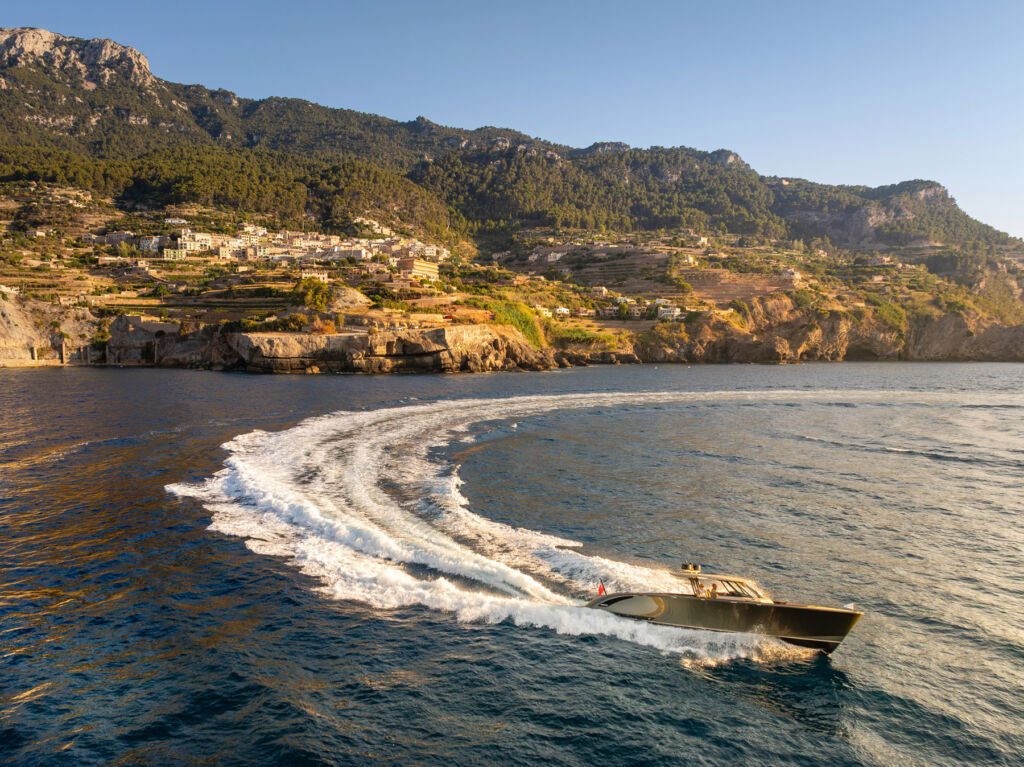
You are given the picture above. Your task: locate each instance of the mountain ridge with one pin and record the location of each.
(98, 99)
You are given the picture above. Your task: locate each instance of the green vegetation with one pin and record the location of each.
(892, 315)
(802, 298)
(312, 293)
(284, 186)
(741, 308)
(290, 159)
(513, 313)
(285, 163)
(667, 333)
(562, 336)
(102, 336)
(293, 323)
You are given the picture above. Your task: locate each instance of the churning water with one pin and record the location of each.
(334, 569)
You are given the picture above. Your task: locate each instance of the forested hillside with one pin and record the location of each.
(89, 113)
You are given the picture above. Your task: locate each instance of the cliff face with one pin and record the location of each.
(778, 331)
(39, 333)
(775, 331)
(92, 62)
(461, 348)
(469, 348)
(953, 338)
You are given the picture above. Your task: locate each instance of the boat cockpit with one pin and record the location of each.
(707, 586)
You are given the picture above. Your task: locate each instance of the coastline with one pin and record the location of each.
(475, 348)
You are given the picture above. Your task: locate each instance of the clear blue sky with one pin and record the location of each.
(839, 92)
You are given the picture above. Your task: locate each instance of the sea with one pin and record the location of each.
(216, 568)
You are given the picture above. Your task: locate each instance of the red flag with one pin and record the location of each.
(600, 589)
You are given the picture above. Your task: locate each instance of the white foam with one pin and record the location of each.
(361, 501)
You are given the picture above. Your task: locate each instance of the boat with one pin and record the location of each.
(733, 604)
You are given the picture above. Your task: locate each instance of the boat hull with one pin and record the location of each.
(821, 628)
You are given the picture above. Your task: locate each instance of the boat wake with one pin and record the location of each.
(365, 502)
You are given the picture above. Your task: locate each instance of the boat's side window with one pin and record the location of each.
(736, 589)
(614, 600)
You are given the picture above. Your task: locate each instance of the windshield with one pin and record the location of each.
(726, 587)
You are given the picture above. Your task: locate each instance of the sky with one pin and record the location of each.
(838, 92)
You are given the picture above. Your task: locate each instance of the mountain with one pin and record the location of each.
(99, 98)
(91, 113)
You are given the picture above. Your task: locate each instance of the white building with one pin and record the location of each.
(360, 253)
(151, 244)
(669, 312)
(194, 242)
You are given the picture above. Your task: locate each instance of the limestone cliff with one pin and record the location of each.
(460, 348)
(774, 330)
(40, 333)
(778, 331)
(92, 62)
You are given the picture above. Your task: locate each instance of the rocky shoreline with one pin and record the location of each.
(774, 331)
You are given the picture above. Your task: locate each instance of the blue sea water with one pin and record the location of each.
(230, 569)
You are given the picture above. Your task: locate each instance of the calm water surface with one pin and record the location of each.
(213, 568)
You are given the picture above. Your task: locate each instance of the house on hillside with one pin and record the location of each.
(417, 268)
(194, 242)
(151, 244)
(360, 254)
(669, 312)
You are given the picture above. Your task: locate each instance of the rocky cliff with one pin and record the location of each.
(460, 348)
(773, 331)
(92, 63)
(776, 330)
(40, 333)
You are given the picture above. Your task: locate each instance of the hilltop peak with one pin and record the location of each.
(94, 62)
(603, 147)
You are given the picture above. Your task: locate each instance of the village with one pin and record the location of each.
(408, 258)
(190, 267)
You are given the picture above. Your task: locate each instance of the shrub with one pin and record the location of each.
(892, 316)
(889, 314)
(740, 307)
(563, 336)
(323, 327)
(873, 299)
(670, 333)
(101, 337)
(312, 293)
(513, 313)
(802, 298)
